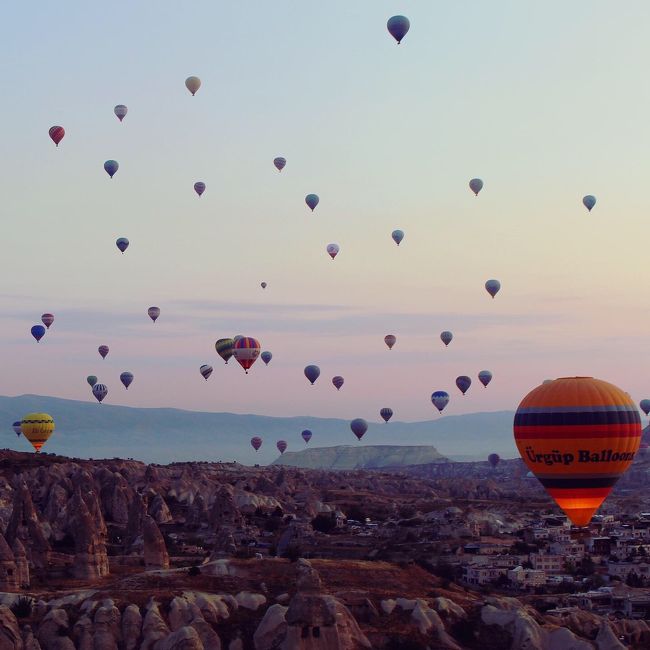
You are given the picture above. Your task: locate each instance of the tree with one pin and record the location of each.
(293, 553)
(323, 523)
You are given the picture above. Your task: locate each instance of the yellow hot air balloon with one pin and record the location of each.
(37, 428)
(578, 435)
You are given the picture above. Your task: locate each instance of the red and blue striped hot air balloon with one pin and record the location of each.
(246, 350)
(578, 435)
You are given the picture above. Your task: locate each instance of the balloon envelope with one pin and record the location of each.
(122, 243)
(281, 445)
(494, 459)
(246, 350)
(440, 399)
(338, 381)
(193, 84)
(446, 337)
(111, 167)
(266, 356)
(390, 340)
(92, 380)
(312, 373)
(333, 250)
(578, 435)
(38, 332)
(37, 428)
(199, 187)
(127, 379)
(103, 350)
(589, 201)
(153, 312)
(386, 414)
(256, 442)
(47, 320)
(398, 27)
(224, 348)
(100, 391)
(485, 377)
(205, 371)
(476, 185)
(645, 405)
(312, 201)
(279, 163)
(492, 287)
(263, 285)
(359, 426)
(56, 133)
(397, 236)
(120, 110)
(463, 383)
(306, 435)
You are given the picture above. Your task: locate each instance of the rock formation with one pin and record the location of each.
(155, 550)
(91, 558)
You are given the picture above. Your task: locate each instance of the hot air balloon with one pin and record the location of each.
(338, 381)
(645, 405)
(386, 414)
(47, 320)
(205, 371)
(485, 377)
(103, 350)
(397, 236)
(153, 312)
(266, 356)
(398, 27)
(306, 435)
(263, 285)
(494, 459)
(38, 332)
(359, 426)
(578, 435)
(246, 350)
(120, 110)
(390, 340)
(312, 373)
(111, 167)
(199, 188)
(463, 383)
(312, 201)
(37, 428)
(589, 201)
(492, 287)
(476, 185)
(92, 380)
(126, 378)
(281, 445)
(279, 163)
(224, 348)
(237, 337)
(122, 243)
(256, 442)
(193, 84)
(440, 399)
(333, 250)
(16, 427)
(100, 391)
(57, 133)
(446, 337)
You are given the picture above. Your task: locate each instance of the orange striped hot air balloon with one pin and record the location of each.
(578, 435)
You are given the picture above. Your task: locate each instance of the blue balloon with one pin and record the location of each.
(38, 332)
(397, 236)
(463, 382)
(446, 337)
(440, 399)
(359, 426)
(312, 200)
(398, 27)
(266, 357)
(17, 427)
(386, 414)
(312, 373)
(589, 201)
(111, 167)
(127, 379)
(306, 435)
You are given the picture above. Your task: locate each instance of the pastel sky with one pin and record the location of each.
(546, 102)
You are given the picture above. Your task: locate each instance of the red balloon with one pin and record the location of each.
(57, 133)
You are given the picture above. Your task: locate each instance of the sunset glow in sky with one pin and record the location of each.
(546, 102)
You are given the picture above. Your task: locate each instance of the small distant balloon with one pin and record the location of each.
(440, 399)
(492, 287)
(154, 313)
(359, 427)
(92, 380)
(224, 348)
(279, 163)
(199, 187)
(103, 350)
(645, 405)
(338, 381)
(589, 201)
(263, 285)
(463, 383)
(386, 414)
(312, 373)
(333, 250)
(390, 340)
(47, 320)
(476, 185)
(120, 110)
(494, 459)
(397, 236)
(57, 133)
(122, 243)
(398, 27)
(205, 371)
(281, 445)
(16, 427)
(193, 84)
(306, 435)
(100, 391)
(38, 332)
(312, 201)
(266, 356)
(256, 442)
(446, 337)
(485, 377)
(127, 379)
(111, 167)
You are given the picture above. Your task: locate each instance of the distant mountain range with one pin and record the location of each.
(163, 435)
(367, 457)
